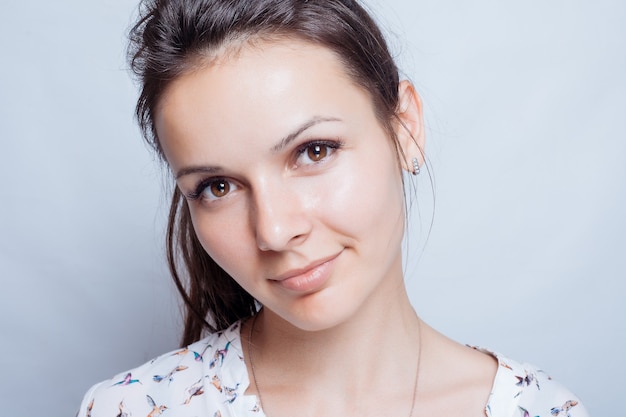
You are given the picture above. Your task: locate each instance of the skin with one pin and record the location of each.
(295, 190)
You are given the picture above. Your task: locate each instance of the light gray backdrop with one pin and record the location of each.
(526, 128)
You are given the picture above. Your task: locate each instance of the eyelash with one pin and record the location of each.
(203, 185)
(332, 145)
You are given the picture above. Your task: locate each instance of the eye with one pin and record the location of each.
(315, 152)
(213, 189)
(218, 188)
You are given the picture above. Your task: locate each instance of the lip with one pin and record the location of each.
(307, 279)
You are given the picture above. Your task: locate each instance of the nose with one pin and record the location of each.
(279, 218)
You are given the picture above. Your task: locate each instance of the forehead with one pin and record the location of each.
(259, 60)
(264, 85)
(251, 66)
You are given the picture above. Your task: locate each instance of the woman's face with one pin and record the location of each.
(293, 186)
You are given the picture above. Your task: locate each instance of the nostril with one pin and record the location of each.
(281, 231)
(279, 220)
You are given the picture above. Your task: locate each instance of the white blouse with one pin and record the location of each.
(209, 379)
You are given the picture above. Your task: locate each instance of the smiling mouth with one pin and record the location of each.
(309, 278)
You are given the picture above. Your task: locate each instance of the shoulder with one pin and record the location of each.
(197, 379)
(523, 390)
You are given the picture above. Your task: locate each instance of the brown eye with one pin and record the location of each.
(317, 152)
(213, 189)
(219, 188)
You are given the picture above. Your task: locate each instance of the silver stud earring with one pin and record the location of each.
(416, 166)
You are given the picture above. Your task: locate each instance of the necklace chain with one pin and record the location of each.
(417, 370)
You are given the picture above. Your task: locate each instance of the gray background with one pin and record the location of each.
(527, 255)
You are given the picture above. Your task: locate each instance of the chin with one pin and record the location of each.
(316, 314)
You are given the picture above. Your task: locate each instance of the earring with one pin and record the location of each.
(416, 166)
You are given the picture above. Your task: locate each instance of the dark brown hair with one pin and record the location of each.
(173, 37)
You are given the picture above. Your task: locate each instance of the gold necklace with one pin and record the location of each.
(417, 370)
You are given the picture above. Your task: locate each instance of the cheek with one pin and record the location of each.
(365, 197)
(222, 236)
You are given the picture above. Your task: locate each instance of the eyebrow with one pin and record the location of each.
(275, 149)
(198, 169)
(292, 136)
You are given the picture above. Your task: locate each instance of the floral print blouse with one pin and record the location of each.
(209, 379)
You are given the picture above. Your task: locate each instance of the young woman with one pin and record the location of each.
(287, 130)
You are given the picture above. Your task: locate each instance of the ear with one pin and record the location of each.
(410, 125)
